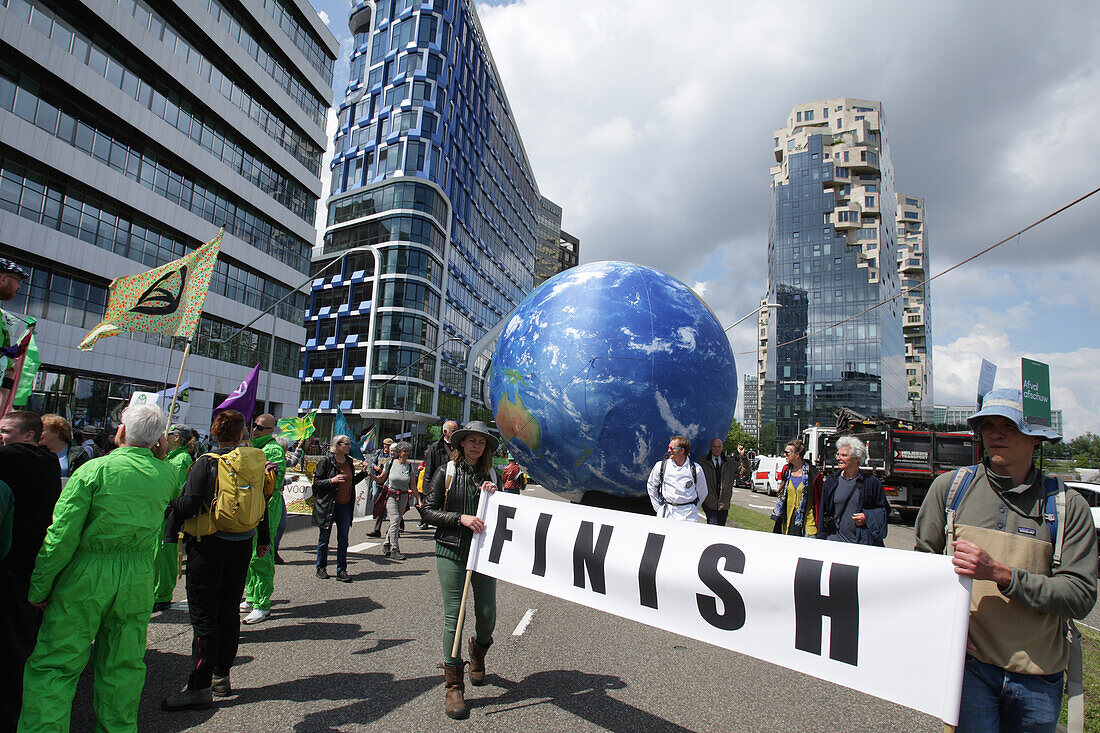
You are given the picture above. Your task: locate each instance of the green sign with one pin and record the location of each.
(435, 431)
(1035, 388)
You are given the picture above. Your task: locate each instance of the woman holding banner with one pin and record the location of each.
(451, 505)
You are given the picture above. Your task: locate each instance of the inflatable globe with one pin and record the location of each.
(598, 367)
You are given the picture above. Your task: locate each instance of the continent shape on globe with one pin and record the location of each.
(599, 366)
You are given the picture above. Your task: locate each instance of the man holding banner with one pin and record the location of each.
(1030, 547)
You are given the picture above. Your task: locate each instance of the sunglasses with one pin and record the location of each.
(257, 426)
(675, 447)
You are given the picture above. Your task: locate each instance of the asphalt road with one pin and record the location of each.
(362, 656)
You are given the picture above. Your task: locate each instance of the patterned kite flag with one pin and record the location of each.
(367, 444)
(166, 300)
(297, 428)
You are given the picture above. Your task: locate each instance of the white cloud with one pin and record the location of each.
(1074, 387)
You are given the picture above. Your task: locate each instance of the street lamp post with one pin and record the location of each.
(753, 312)
(404, 371)
(274, 319)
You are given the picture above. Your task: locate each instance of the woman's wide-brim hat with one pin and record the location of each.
(474, 427)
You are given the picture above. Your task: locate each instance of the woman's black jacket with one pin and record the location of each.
(444, 508)
(324, 491)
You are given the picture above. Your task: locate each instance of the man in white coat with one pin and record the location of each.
(677, 485)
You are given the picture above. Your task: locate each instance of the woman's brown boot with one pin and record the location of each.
(455, 702)
(477, 662)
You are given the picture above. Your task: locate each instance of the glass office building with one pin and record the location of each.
(130, 132)
(431, 223)
(832, 254)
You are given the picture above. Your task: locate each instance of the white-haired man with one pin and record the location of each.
(94, 579)
(853, 504)
(1030, 547)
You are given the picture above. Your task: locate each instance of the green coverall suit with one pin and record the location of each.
(95, 570)
(261, 570)
(166, 563)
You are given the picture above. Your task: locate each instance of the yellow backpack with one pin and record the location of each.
(239, 497)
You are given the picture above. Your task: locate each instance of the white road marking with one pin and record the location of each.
(362, 519)
(1082, 623)
(522, 626)
(363, 546)
(761, 506)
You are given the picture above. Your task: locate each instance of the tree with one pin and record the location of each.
(1085, 450)
(738, 436)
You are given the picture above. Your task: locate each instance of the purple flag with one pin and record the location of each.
(243, 398)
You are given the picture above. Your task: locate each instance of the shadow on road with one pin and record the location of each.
(307, 630)
(371, 694)
(578, 693)
(332, 608)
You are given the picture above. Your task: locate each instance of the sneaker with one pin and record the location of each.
(257, 615)
(187, 699)
(386, 548)
(343, 576)
(423, 525)
(322, 573)
(374, 533)
(245, 606)
(161, 606)
(220, 687)
(396, 555)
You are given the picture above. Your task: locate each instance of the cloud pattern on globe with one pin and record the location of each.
(599, 366)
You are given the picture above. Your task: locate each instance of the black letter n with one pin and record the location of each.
(592, 558)
(841, 606)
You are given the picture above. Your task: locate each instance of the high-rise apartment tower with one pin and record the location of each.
(832, 254)
(912, 229)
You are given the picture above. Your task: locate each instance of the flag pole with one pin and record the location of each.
(168, 369)
(175, 392)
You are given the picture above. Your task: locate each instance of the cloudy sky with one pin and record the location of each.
(651, 123)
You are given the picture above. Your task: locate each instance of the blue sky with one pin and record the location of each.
(652, 124)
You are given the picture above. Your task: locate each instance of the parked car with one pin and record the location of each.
(765, 477)
(1091, 492)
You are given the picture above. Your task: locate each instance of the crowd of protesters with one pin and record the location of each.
(91, 537)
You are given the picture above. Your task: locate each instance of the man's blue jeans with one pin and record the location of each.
(995, 700)
(341, 517)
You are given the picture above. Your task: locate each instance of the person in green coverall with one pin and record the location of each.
(261, 570)
(166, 562)
(94, 580)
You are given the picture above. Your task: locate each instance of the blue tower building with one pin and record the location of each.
(832, 256)
(431, 227)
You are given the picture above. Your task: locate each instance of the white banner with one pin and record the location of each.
(889, 623)
(181, 410)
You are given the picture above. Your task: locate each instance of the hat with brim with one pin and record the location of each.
(1009, 404)
(180, 431)
(474, 427)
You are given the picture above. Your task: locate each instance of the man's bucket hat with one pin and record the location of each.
(1008, 403)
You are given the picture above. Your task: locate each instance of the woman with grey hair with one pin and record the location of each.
(396, 481)
(853, 504)
(334, 482)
